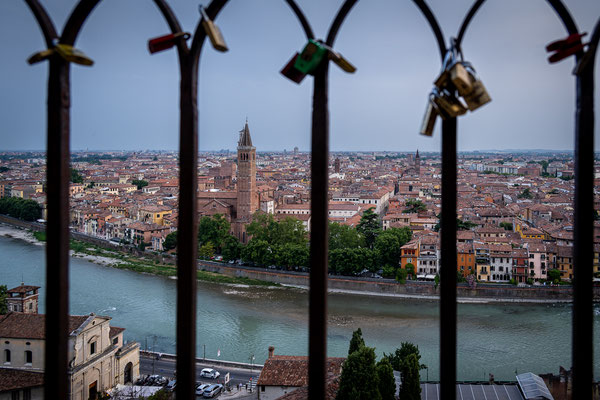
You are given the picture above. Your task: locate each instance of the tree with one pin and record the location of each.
(388, 248)
(359, 378)
(401, 275)
(213, 229)
(231, 249)
(291, 254)
(554, 275)
(369, 227)
(464, 225)
(344, 237)
(410, 270)
(411, 386)
(399, 357)
(140, 183)
(170, 241)
(76, 176)
(506, 225)
(26, 209)
(262, 227)
(387, 382)
(414, 206)
(525, 194)
(206, 251)
(3, 306)
(258, 251)
(356, 342)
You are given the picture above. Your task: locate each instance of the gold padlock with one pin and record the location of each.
(448, 105)
(213, 32)
(71, 54)
(442, 79)
(40, 56)
(341, 61)
(461, 79)
(429, 119)
(478, 96)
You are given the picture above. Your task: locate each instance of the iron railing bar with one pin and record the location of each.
(169, 16)
(76, 20)
(437, 30)
(339, 19)
(448, 262)
(565, 16)
(467, 21)
(44, 21)
(583, 250)
(303, 21)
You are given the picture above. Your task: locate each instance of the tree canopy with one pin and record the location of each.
(369, 227)
(76, 176)
(356, 342)
(387, 382)
(411, 387)
(3, 307)
(140, 183)
(344, 237)
(16, 207)
(214, 229)
(414, 206)
(170, 241)
(359, 378)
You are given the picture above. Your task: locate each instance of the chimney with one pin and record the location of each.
(271, 351)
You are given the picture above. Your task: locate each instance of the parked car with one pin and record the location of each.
(201, 388)
(171, 385)
(213, 390)
(209, 373)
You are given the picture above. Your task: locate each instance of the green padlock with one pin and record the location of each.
(310, 58)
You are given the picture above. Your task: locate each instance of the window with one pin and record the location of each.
(31, 306)
(7, 356)
(27, 394)
(116, 340)
(15, 395)
(28, 356)
(93, 348)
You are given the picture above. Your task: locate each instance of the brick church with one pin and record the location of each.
(239, 205)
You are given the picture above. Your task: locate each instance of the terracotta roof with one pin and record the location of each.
(11, 379)
(114, 331)
(23, 289)
(293, 370)
(32, 326)
(333, 385)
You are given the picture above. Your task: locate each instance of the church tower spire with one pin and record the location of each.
(247, 195)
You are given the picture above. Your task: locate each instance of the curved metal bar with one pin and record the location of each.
(467, 20)
(595, 37)
(303, 21)
(437, 31)
(213, 9)
(169, 15)
(44, 21)
(339, 19)
(564, 15)
(76, 20)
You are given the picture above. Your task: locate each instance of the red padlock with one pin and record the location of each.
(565, 47)
(166, 42)
(291, 72)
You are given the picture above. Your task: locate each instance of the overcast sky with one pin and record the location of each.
(129, 99)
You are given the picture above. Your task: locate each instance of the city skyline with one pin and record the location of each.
(129, 99)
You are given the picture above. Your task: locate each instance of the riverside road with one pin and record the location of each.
(149, 365)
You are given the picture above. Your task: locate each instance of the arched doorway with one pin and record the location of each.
(127, 373)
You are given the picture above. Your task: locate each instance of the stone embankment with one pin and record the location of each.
(344, 284)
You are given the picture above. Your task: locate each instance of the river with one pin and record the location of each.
(240, 322)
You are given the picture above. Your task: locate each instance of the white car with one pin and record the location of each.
(209, 373)
(201, 388)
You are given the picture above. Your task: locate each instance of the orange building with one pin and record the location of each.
(409, 253)
(465, 259)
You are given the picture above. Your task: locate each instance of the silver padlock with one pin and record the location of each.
(431, 114)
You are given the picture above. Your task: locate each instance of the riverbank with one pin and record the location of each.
(115, 259)
(104, 253)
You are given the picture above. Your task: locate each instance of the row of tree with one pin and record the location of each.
(363, 378)
(16, 207)
(285, 243)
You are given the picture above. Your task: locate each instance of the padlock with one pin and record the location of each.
(213, 32)
(166, 42)
(71, 54)
(460, 78)
(310, 58)
(478, 96)
(339, 59)
(291, 72)
(448, 105)
(40, 56)
(431, 114)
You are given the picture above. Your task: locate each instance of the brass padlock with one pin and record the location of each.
(460, 78)
(478, 96)
(429, 119)
(213, 32)
(71, 54)
(448, 104)
(40, 56)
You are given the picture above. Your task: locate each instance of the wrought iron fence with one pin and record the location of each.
(60, 54)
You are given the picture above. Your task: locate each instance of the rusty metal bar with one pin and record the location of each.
(448, 263)
(583, 249)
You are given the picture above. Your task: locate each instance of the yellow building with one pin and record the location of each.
(154, 214)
